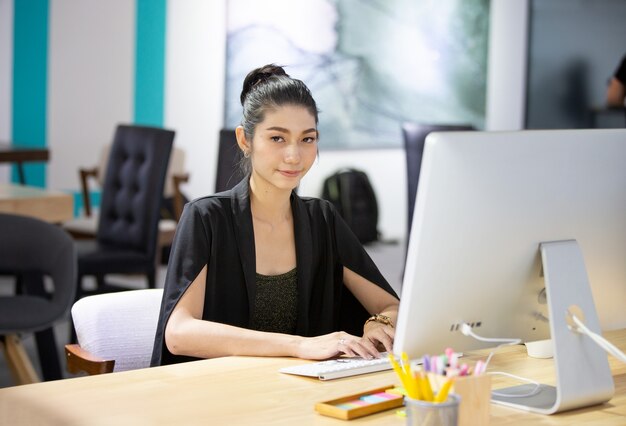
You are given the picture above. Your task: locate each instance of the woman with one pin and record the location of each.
(258, 270)
(616, 91)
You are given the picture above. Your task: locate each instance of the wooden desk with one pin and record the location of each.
(51, 206)
(247, 390)
(19, 154)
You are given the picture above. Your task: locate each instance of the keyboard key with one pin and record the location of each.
(340, 367)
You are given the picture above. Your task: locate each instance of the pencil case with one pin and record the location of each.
(361, 404)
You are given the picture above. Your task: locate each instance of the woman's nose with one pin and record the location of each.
(292, 153)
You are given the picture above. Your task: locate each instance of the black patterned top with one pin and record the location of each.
(276, 303)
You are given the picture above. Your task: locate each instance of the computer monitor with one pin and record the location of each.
(486, 203)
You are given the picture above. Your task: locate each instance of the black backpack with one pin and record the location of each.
(351, 192)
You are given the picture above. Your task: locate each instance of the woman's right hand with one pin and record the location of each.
(333, 344)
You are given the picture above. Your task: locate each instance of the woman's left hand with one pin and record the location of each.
(380, 335)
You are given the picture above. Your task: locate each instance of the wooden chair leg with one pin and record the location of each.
(19, 364)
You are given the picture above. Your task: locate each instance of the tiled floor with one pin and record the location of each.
(388, 257)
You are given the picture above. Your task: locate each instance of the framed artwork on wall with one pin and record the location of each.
(371, 65)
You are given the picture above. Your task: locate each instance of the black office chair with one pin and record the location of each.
(128, 223)
(414, 136)
(86, 225)
(229, 156)
(32, 250)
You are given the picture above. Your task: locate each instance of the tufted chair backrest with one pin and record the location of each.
(133, 187)
(176, 167)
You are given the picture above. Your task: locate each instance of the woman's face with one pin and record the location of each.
(284, 147)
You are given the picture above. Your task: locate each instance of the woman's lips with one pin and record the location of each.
(290, 173)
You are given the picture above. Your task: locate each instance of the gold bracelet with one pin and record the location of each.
(383, 319)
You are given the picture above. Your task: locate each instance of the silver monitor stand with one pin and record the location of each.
(583, 377)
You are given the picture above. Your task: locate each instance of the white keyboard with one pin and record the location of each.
(341, 367)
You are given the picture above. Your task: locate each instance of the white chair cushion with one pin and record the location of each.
(167, 225)
(83, 225)
(119, 326)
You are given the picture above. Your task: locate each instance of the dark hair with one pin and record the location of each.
(270, 87)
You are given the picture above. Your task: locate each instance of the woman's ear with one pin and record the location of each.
(244, 146)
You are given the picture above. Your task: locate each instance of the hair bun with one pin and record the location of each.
(259, 76)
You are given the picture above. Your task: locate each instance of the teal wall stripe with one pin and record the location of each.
(150, 62)
(30, 74)
(94, 197)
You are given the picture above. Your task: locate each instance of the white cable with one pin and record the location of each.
(466, 329)
(600, 341)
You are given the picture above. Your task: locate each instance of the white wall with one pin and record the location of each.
(194, 85)
(506, 70)
(386, 169)
(91, 68)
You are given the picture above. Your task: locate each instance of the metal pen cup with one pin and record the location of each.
(423, 413)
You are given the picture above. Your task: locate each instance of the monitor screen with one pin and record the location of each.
(485, 202)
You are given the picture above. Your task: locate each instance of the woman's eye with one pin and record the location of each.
(308, 140)
(276, 138)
